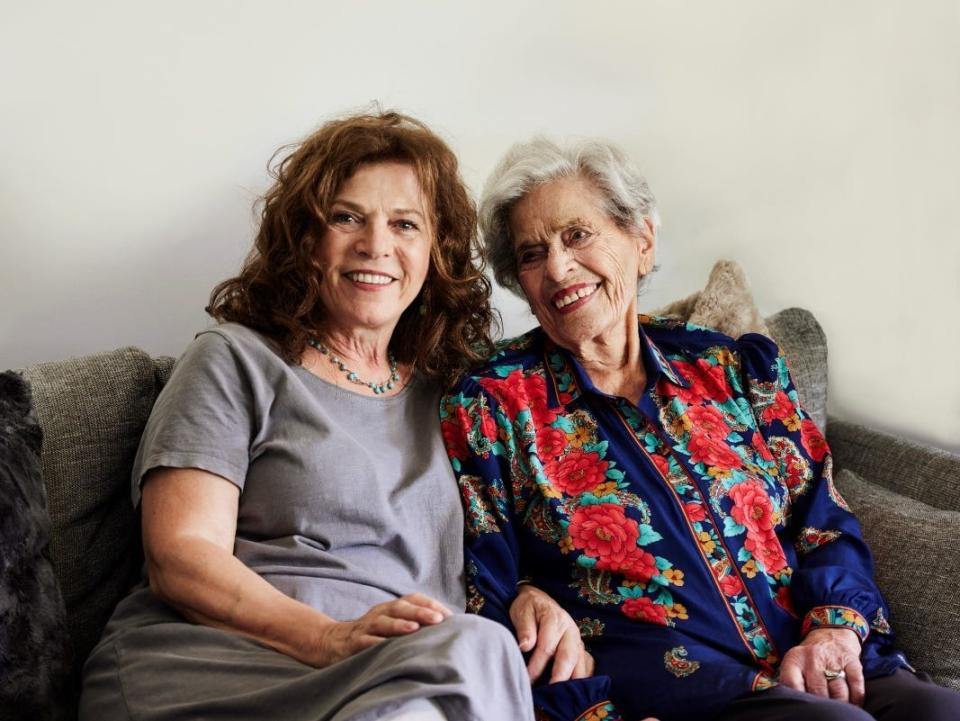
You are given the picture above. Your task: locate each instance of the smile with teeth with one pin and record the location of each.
(372, 278)
(575, 295)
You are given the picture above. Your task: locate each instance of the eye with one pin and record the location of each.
(575, 237)
(407, 225)
(531, 255)
(341, 217)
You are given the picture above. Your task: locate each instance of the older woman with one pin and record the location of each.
(661, 481)
(301, 527)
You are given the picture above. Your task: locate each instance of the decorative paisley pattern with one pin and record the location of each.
(676, 662)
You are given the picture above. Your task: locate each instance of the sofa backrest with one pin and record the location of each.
(92, 411)
(804, 343)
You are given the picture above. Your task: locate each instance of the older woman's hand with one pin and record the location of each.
(805, 666)
(543, 626)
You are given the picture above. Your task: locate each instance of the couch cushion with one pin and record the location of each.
(35, 672)
(918, 570)
(934, 474)
(92, 411)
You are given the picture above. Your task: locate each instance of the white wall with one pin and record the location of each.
(817, 143)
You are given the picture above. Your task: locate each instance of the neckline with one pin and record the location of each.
(412, 381)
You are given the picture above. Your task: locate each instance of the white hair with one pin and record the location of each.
(627, 197)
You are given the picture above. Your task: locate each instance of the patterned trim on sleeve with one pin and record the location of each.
(836, 617)
(762, 681)
(603, 711)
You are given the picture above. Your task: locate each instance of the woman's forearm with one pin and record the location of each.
(209, 585)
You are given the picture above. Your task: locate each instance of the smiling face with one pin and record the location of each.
(375, 251)
(577, 267)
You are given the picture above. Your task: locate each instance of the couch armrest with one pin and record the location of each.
(920, 472)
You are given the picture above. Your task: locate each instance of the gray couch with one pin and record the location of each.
(92, 411)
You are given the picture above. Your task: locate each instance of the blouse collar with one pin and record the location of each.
(569, 380)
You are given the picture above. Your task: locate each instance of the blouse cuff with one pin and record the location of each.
(836, 617)
(603, 711)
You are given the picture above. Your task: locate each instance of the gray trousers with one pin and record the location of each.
(899, 697)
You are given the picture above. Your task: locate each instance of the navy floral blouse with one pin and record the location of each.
(695, 535)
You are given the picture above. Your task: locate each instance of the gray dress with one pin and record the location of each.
(346, 501)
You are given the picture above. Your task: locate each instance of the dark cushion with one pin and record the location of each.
(35, 669)
(804, 343)
(918, 570)
(92, 411)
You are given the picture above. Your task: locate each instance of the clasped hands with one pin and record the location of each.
(541, 626)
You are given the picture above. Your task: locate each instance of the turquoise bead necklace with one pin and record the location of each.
(378, 388)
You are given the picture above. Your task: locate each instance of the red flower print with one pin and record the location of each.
(707, 382)
(643, 609)
(709, 421)
(760, 447)
(661, 462)
(731, 585)
(767, 550)
(812, 440)
(455, 432)
(488, 426)
(710, 451)
(637, 566)
(605, 533)
(695, 511)
(782, 407)
(753, 509)
(752, 506)
(551, 441)
(518, 391)
(576, 472)
(784, 600)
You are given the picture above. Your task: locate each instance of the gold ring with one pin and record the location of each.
(834, 675)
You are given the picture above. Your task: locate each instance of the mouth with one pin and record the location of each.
(366, 277)
(571, 298)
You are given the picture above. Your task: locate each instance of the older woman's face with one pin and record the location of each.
(375, 251)
(577, 267)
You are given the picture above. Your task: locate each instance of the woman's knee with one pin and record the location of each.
(918, 700)
(785, 704)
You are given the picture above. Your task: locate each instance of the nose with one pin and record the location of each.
(376, 240)
(559, 262)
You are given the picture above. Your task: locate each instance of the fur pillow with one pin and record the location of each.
(725, 304)
(34, 648)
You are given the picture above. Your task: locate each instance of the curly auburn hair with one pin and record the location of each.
(446, 329)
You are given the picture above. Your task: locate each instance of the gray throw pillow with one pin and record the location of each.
(918, 570)
(35, 669)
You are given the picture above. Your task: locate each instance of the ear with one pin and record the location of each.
(646, 236)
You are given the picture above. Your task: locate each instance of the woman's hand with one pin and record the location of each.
(824, 650)
(341, 639)
(542, 625)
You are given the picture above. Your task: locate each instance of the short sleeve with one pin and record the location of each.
(204, 416)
